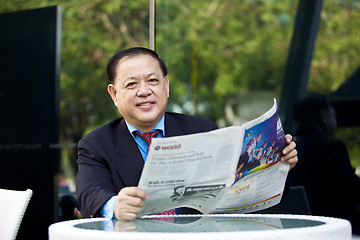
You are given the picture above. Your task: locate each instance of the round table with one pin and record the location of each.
(207, 227)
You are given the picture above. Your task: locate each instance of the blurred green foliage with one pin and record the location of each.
(337, 50)
(214, 49)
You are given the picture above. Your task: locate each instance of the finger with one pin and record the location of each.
(126, 216)
(134, 192)
(127, 209)
(292, 162)
(130, 200)
(291, 156)
(123, 208)
(290, 147)
(288, 138)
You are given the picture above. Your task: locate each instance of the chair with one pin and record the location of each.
(294, 202)
(13, 205)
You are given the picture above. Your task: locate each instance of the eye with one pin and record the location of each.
(153, 80)
(130, 85)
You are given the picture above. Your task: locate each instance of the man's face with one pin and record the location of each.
(140, 91)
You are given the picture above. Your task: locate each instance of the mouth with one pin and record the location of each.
(145, 104)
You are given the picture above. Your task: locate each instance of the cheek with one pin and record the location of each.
(123, 97)
(167, 90)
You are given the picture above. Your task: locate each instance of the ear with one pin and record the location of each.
(112, 92)
(324, 116)
(167, 87)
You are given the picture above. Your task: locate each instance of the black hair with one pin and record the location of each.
(114, 60)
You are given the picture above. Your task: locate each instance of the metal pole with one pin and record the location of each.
(152, 24)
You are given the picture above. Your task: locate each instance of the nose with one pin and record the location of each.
(144, 89)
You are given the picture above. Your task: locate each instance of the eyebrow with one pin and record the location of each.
(148, 75)
(153, 73)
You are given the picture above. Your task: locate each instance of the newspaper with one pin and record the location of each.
(235, 169)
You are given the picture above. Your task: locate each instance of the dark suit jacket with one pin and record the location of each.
(109, 159)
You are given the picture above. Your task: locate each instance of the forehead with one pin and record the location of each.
(137, 61)
(136, 66)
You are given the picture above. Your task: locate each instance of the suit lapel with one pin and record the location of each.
(128, 160)
(172, 128)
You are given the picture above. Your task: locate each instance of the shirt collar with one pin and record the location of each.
(159, 126)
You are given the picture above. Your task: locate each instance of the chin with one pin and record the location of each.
(149, 119)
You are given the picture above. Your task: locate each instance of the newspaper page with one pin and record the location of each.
(260, 176)
(190, 171)
(229, 170)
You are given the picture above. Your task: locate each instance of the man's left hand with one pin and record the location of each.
(289, 152)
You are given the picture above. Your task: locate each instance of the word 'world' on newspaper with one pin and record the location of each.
(235, 169)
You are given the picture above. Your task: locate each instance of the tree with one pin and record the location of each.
(217, 49)
(337, 48)
(92, 31)
(214, 49)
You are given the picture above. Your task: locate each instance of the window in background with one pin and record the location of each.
(226, 59)
(336, 58)
(92, 31)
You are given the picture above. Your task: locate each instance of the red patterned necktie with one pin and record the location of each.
(167, 212)
(148, 136)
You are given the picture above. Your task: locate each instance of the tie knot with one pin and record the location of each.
(148, 136)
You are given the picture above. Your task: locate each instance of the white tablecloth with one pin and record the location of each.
(333, 229)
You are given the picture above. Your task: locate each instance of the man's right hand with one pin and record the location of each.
(129, 202)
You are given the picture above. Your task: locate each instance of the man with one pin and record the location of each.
(111, 158)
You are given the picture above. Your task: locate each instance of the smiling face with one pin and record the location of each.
(140, 91)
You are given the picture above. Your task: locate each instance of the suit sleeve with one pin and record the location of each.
(93, 181)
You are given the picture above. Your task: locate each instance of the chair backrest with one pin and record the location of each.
(13, 205)
(294, 202)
